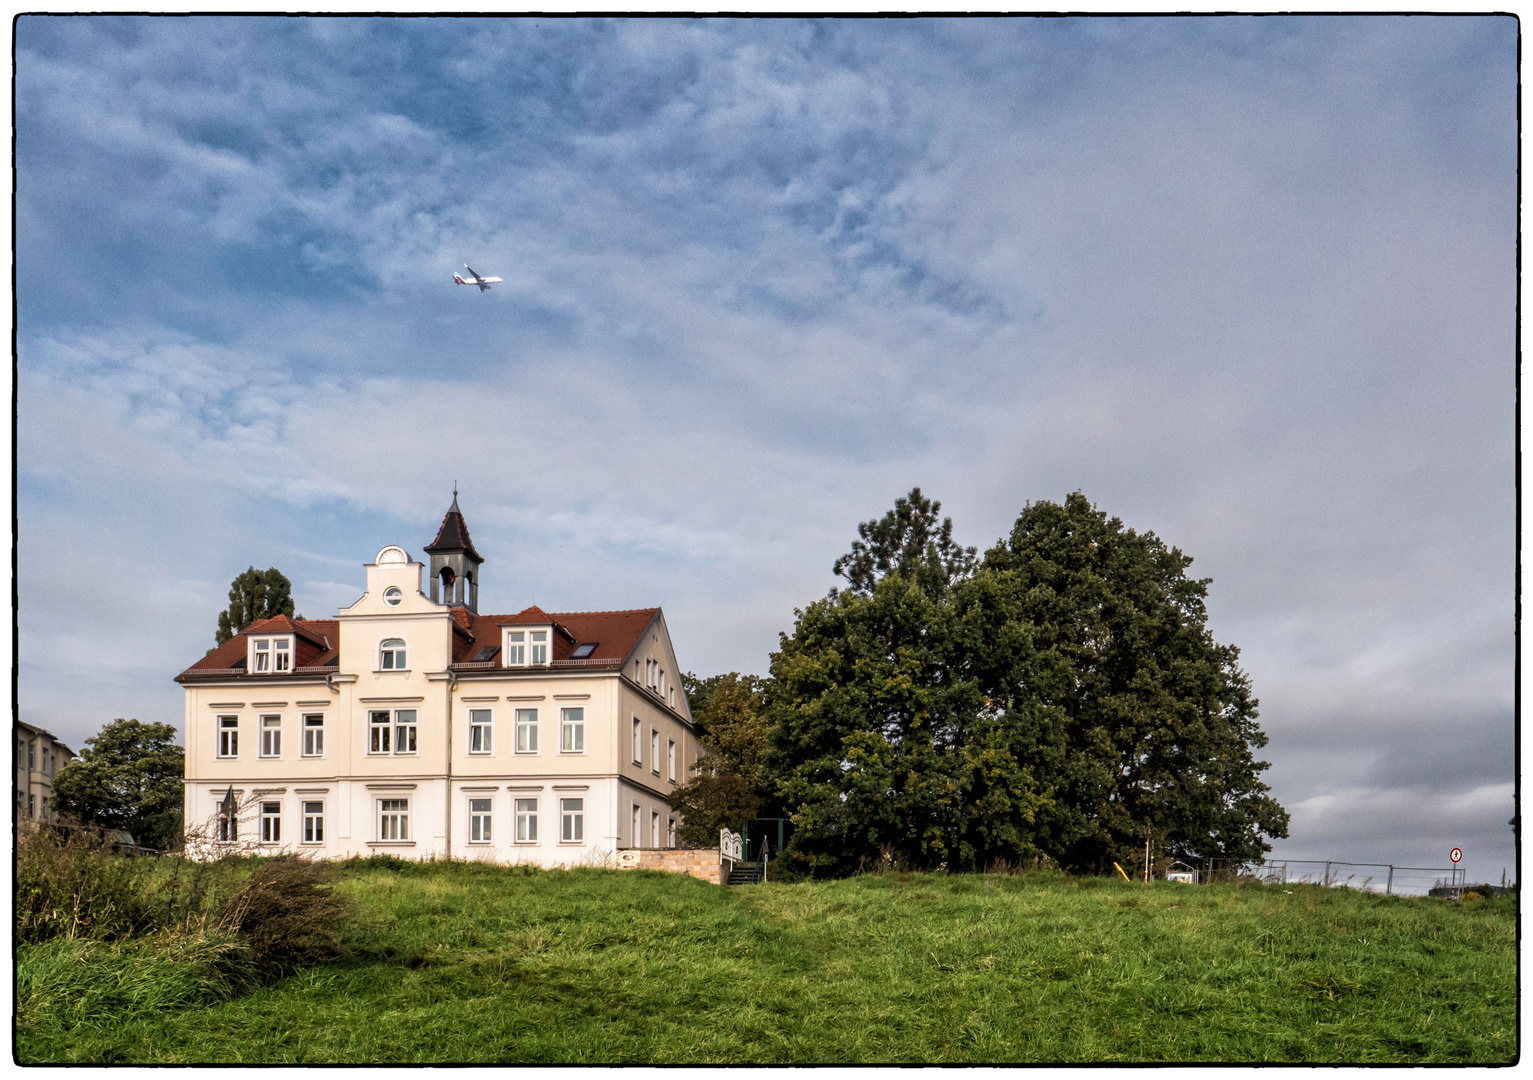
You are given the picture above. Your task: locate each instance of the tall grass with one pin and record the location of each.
(103, 938)
(452, 962)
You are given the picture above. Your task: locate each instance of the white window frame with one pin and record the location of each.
(572, 821)
(481, 732)
(228, 825)
(654, 828)
(671, 833)
(313, 813)
(538, 644)
(526, 814)
(271, 822)
(270, 655)
(313, 736)
(654, 750)
(572, 722)
(513, 651)
(527, 736)
(228, 738)
(392, 818)
(638, 741)
(393, 730)
(481, 820)
(380, 721)
(391, 657)
(638, 838)
(271, 736)
(670, 758)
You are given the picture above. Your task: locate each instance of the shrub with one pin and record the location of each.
(289, 913)
(75, 886)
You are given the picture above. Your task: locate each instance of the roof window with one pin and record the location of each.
(583, 650)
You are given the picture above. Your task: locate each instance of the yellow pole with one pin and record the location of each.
(1120, 870)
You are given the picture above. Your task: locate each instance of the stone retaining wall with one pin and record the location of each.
(703, 863)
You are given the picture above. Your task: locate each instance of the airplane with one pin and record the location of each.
(474, 279)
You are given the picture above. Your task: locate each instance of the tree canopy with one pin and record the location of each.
(129, 776)
(728, 785)
(254, 595)
(1060, 697)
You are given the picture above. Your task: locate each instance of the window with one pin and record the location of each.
(386, 738)
(31, 756)
(671, 833)
(516, 649)
(282, 655)
(638, 735)
(654, 751)
(572, 819)
(670, 758)
(393, 819)
(262, 657)
(572, 731)
(31, 805)
(526, 731)
(378, 731)
(271, 736)
(479, 821)
(313, 823)
(404, 731)
(392, 655)
(479, 731)
(638, 841)
(314, 735)
(228, 736)
(654, 828)
(228, 822)
(583, 650)
(271, 823)
(392, 596)
(527, 820)
(539, 647)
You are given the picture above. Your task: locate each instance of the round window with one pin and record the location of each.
(392, 596)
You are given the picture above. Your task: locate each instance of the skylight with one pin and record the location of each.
(583, 650)
(486, 653)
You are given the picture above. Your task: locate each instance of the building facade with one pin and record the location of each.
(411, 724)
(39, 757)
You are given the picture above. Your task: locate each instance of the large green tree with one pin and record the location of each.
(254, 595)
(1058, 698)
(727, 786)
(129, 776)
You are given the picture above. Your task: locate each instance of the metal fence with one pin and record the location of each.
(1389, 878)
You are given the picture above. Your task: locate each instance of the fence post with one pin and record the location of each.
(1327, 879)
(1390, 884)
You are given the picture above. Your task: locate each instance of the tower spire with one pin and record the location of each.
(454, 562)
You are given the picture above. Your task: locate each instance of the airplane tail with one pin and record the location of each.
(459, 279)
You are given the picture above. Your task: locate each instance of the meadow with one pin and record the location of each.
(454, 962)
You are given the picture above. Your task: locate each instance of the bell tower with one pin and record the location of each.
(454, 562)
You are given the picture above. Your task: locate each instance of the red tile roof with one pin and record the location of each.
(615, 633)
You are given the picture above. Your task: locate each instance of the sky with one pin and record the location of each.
(1247, 283)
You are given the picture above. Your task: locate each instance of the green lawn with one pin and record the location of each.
(464, 963)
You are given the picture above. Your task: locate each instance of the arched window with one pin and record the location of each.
(392, 655)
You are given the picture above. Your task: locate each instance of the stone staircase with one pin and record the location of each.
(745, 873)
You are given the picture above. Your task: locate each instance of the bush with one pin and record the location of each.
(289, 913)
(74, 886)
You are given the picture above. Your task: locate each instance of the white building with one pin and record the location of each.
(411, 724)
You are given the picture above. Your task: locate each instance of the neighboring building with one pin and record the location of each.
(413, 725)
(39, 757)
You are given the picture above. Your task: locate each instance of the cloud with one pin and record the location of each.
(1248, 283)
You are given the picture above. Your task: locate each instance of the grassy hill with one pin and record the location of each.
(467, 963)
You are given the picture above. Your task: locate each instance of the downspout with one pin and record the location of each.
(452, 684)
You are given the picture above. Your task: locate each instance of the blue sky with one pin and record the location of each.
(1246, 282)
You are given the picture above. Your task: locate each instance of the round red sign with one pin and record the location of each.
(1455, 854)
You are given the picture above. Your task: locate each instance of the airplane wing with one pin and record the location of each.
(472, 272)
(483, 286)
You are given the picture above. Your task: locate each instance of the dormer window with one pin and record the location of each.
(526, 646)
(539, 646)
(516, 648)
(269, 656)
(392, 655)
